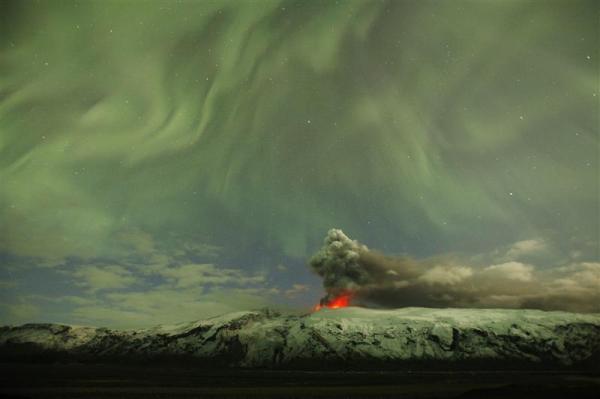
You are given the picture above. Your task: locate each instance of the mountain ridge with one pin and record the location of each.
(350, 337)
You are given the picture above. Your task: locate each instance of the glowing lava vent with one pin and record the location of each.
(340, 301)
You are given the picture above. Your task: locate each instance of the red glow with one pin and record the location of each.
(340, 301)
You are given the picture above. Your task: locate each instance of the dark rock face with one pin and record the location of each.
(352, 338)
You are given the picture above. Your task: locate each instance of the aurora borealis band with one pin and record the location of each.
(163, 161)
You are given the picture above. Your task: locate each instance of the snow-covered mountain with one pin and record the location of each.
(350, 337)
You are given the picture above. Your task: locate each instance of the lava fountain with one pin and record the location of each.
(340, 301)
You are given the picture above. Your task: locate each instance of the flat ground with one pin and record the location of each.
(128, 381)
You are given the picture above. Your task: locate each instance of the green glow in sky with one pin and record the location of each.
(138, 138)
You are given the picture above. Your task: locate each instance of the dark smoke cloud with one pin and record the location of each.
(373, 279)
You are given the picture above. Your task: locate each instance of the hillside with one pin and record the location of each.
(353, 338)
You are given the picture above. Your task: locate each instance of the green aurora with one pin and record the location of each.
(163, 161)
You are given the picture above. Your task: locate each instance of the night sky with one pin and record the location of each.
(169, 161)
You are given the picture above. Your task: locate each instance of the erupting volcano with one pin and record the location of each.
(340, 301)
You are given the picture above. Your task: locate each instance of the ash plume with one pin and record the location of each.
(376, 280)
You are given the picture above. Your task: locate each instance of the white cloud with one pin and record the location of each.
(580, 277)
(524, 248)
(511, 270)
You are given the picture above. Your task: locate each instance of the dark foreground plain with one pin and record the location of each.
(153, 381)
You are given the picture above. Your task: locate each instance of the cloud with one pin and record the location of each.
(137, 241)
(581, 277)
(161, 285)
(525, 247)
(166, 294)
(296, 290)
(104, 277)
(165, 305)
(195, 275)
(374, 279)
(150, 283)
(511, 271)
(200, 249)
(75, 300)
(281, 267)
(22, 312)
(6, 284)
(199, 275)
(446, 275)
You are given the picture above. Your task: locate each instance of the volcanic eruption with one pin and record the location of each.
(338, 263)
(340, 301)
(351, 272)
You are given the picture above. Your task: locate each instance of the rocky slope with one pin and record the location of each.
(350, 338)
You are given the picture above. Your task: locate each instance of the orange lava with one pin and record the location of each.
(340, 301)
